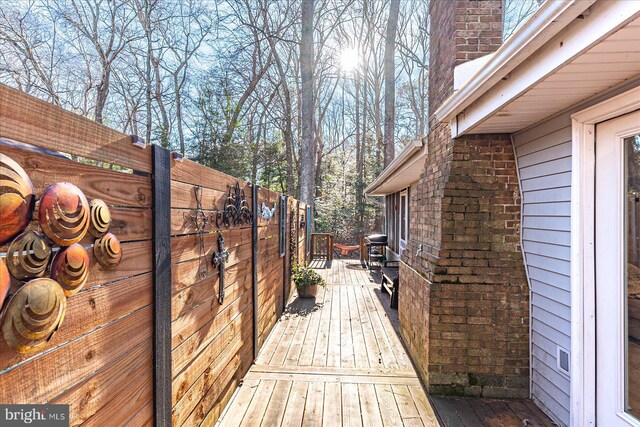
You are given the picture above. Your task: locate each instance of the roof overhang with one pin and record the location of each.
(569, 51)
(403, 171)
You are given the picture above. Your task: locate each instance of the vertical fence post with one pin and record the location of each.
(162, 285)
(254, 263)
(284, 214)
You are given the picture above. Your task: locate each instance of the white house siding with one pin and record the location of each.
(544, 162)
(543, 152)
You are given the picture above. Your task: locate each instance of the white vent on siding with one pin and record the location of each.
(562, 359)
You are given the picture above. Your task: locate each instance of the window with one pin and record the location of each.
(403, 217)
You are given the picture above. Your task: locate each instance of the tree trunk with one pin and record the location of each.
(390, 82)
(177, 85)
(359, 150)
(102, 92)
(308, 150)
(164, 135)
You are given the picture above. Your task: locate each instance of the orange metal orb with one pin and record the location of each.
(5, 281)
(28, 255)
(107, 250)
(64, 213)
(16, 199)
(33, 314)
(100, 218)
(70, 268)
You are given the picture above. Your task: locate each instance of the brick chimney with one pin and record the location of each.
(460, 30)
(463, 294)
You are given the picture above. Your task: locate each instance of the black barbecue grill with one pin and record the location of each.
(376, 244)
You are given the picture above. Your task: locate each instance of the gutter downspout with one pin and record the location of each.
(524, 259)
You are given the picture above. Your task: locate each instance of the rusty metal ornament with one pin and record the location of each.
(64, 213)
(28, 256)
(5, 281)
(16, 199)
(33, 315)
(100, 218)
(70, 268)
(236, 209)
(107, 250)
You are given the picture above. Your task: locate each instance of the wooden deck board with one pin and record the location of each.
(471, 412)
(338, 361)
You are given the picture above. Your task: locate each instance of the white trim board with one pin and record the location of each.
(552, 17)
(577, 37)
(583, 326)
(403, 171)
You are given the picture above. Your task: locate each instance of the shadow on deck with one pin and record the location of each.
(338, 360)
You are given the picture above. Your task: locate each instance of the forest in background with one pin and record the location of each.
(220, 82)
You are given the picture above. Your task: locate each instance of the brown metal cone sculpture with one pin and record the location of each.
(5, 281)
(16, 199)
(107, 250)
(100, 218)
(33, 315)
(64, 213)
(28, 256)
(70, 268)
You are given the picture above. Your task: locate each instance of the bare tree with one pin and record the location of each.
(28, 48)
(308, 149)
(390, 82)
(105, 25)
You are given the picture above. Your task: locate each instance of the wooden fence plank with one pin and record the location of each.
(46, 375)
(117, 390)
(90, 309)
(30, 120)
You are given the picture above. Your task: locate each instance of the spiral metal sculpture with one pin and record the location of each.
(28, 256)
(5, 281)
(33, 315)
(100, 218)
(70, 268)
(16, 199)
(107, 250)
(64, 213)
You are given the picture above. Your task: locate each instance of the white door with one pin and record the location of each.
(617, 272)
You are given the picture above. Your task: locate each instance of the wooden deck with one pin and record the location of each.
(338, 360)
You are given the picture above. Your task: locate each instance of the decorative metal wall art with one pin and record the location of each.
(35, 311)
(107, 251)
(266, 213)
(5, 281)
(17, 200)
(33, 315)
(100, 218)
(199, 221)
(293, 240)
(70, 268)
(64, 213)
(28, 256)
(220, 258)
(236, 209)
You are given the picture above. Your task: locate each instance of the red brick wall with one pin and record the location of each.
(413, 296)
(464, 301)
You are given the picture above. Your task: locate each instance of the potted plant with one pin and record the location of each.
(307, 281)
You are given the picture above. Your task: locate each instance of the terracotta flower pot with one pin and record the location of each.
(307, 291)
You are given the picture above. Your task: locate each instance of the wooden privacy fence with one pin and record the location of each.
(156, 339)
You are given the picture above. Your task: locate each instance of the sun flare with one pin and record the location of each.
(349, 59)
